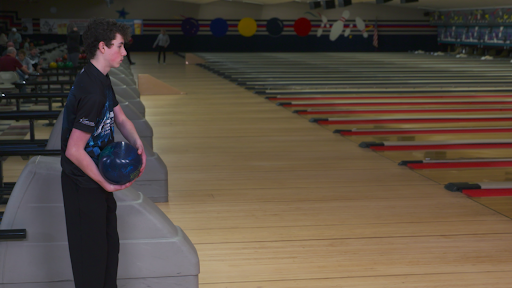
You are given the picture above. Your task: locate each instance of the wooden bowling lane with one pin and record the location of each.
(502, 205)
(363, 90)
(398, 104)
(332, 128)
(433, 137)
(395, 113)
(319, 99)
(444, 176)
(255, 85)
(331, 77)
(397, 156)
(278, 203)
(410, 119)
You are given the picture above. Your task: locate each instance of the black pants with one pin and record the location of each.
(91, 224)
(160, 50)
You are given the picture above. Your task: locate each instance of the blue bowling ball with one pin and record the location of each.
(119, 163)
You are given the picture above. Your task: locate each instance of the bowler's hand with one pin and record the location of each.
(113, 188)
(140, 150)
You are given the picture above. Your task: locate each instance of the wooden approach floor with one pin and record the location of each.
(271, 200)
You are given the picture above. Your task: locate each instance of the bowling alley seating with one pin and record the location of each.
(7, 78)
(154, 252)
(154, 181)
(22, 147)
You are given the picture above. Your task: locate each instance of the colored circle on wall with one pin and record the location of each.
(219, 27)
(247, 27)
(190, 27)
(275, 27)
(302, 26)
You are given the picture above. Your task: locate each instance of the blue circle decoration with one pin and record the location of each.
(275, 27)
(190, 27)
(219, 27)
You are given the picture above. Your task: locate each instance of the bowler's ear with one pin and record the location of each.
(101, 47)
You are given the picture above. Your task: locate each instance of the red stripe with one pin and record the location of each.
(392, 97)
(395, 104)
(410, 121)
(402, 111)
(441, 147)
(357, 133)
(460, 165)
(487, 192)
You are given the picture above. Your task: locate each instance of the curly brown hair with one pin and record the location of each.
(102, 30)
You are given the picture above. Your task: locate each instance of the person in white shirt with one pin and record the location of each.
(27, 64)
(15, 38)
(162, 42)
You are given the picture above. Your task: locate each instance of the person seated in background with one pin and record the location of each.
(8, 45)
(36, 60)
(10, 63)
(22, 57)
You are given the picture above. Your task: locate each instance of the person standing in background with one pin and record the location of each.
(73, 44)
(162, 42)
(127, 45)
(3, 42)
(15, 38)
(26, 45)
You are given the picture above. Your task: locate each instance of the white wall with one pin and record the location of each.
(229, 10)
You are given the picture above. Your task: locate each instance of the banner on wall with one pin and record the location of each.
(476, 35)
(60, 26)
(477, 17)
(135, 25)
(26, 26)
(54, 26)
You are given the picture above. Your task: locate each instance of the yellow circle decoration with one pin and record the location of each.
(247, 27)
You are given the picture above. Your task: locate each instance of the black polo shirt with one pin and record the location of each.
(89, 108)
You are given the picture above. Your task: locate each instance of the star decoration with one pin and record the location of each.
(122, 13)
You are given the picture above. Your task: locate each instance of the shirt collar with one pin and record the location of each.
(104, 79)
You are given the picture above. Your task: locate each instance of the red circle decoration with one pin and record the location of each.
(302, 26)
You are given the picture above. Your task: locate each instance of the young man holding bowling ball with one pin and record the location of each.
(87, 128)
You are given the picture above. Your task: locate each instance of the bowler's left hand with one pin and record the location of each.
(140, 150)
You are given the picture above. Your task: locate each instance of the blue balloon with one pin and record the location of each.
(219, 27)
(190, 27)
(119, 163)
